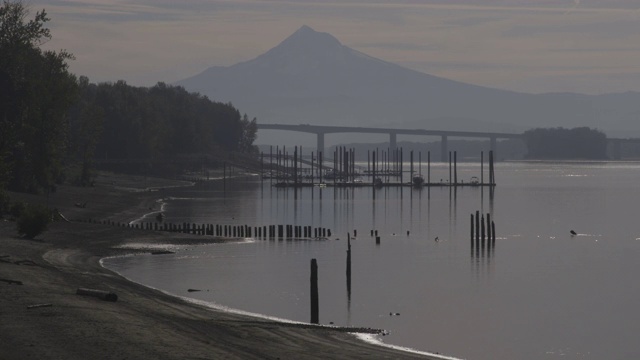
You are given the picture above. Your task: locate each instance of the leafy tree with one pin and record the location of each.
(37, 91)
(85, 128)
(163, 122)
(561, 143)
(249, 132)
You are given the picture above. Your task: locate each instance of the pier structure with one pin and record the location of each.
(384, 168)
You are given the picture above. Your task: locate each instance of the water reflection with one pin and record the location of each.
(538, 295)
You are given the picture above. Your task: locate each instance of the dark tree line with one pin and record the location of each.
(53, 125)
(36, 90)
(155, 124)
(561, 143)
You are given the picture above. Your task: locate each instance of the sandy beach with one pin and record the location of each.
(42, 317)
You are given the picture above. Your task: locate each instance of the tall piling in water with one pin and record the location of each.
(455, 168)
(481, 167)
(349, 264)
(477, 228)
(471, 230)
(315, 319)
(428, 167)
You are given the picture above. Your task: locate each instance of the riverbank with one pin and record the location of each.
(143, 323)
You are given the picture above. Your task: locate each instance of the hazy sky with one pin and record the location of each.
(586, 46)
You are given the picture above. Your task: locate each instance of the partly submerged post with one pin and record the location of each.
(455, 168)
(411, 166)
(493, 233)
(492, 179)
(428, 167)
(472, 229)
(482, 229)
(314, 292)
(481, 167)
(477, 228)
(348, 263)
(450, 168)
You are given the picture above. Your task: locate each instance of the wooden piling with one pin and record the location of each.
(471, 229)
(477, 227)
(315, 319)
(348, 260)
(493, 233)
(481, 167)
(455, 168)
(411, 166)
(428, 167)
(482, 229)
(450, 179)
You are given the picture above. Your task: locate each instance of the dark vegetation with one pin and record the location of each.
(58, 128)
(161, 130)
(561, 143)
(33, 220)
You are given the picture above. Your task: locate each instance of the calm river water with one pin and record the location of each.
(540, 293)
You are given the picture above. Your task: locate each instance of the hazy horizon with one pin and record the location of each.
(520, 45)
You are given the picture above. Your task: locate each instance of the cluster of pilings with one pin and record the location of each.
(453, 170)
(242, 231)
(290, 170)
(284, 166)
(482, 235)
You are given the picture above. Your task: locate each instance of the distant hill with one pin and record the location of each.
(310, 77)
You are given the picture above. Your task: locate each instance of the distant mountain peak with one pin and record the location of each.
(302, 52)
(308, 38)
(305, 29)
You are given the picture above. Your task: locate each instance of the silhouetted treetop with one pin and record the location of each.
(561, 143)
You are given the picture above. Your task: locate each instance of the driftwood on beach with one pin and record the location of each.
(38, 306)
(100, 294)
(8, 281)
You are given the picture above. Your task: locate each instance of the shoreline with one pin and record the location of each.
(144, 322)
(365, 334)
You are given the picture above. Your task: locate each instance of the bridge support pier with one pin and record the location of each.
(444, 149)
(393, 142)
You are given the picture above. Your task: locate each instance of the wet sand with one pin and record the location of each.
(143, 323)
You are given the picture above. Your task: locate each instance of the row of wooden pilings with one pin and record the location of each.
(260, 232)
(482, 235)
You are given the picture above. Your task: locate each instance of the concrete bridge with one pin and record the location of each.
(321, 131)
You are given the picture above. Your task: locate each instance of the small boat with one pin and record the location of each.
(474, 180)
(418, 180)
